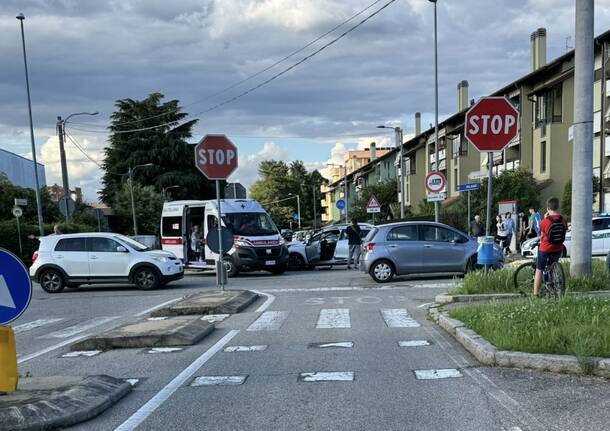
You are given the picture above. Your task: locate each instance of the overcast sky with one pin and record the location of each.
(85, 54)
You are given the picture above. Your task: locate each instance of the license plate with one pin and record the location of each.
(270, 262)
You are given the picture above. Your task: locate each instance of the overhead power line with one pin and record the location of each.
(81, 149)
(262, 84)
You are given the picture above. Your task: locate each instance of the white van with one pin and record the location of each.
(257, 241)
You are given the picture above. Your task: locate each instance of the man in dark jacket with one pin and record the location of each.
(354, 241)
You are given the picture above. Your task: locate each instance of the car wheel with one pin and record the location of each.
(382, 271)
(295, 262)
(146, 278)
(52, 281)
(230, 267)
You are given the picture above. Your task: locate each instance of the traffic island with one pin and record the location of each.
(227, 302)
(59, 402)
(169, 332)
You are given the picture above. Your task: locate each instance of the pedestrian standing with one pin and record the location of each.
(533, 223)
(509, 226)
(476, 227)
(501, 232)
(354, 240)
(522, 230)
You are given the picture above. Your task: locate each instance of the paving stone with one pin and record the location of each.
(449, 324)
(480, 348)
(603, 368)
(538, 361)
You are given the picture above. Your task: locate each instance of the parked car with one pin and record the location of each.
(419, 248)
(600, 240)
(328, 246)
(95, 258)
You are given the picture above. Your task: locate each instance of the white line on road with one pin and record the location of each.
(70, 331)
(332, 318)
(233, 349)
(269, 321)
(425, 305)
(156, 307)
(50, 349)
(326, 376)
(213, 318)
(219, 381)
(267, 303)
(155, 402)
(156, 350)
(340, 344)
(414, 343)
(446, 373)
(81, 353)
(398, 318)
(34, 324)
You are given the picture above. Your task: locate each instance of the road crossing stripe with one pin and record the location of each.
(81, 353)
(267, 303)
(35, 324)
(232, 349)
(219, 381)
(414, 343)
(326, 376)
(155, 402)
(331, 318)
(156, 350)
(81, 327)
(446, 373)
(338, 344)
(398, 318)
(269, 321)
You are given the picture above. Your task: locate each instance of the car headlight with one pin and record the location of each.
(161, 259)
(242, 242)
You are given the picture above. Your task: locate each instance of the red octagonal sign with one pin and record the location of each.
(216, 157)
(491, 124)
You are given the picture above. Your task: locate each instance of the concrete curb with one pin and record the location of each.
(59, 402)
(448, 299)
(229, 302)
(488, 354)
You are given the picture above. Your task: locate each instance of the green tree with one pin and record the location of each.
(566, 199)
(10, 191)
(164, 146)
(148, 205)
(386, 193)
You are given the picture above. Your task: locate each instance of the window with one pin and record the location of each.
(543, 156)
(171, 226)
(441, 234)
(103, 245)
(557, 104)
(403, 233)
(364, 233)
(455, 178)
(549, 106)
(331, 236)
(212, 222)
(72, 244)
(601, 224)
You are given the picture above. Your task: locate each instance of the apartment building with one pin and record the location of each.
(545, 100)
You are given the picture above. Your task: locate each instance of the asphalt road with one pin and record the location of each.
(379, 379)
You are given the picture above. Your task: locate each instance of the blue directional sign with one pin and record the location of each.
(340, 204)
(295, 216)
(15, 287)
(468, 187)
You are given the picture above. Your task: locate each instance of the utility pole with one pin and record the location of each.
(582, 159)
(133, 205)
(64, 167)
(315, 211)
(21, 17)
(602, 137)
(345, 189)
(436, 204)
(402, 171)
(299, 210)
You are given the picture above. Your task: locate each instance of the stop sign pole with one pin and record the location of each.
(490, 125)
(216, 158)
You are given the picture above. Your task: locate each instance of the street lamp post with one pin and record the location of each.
(21, 17)
(399, 144)
(344, 185)
(133, 205)
(436, 204)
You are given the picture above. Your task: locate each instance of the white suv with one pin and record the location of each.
(89, 258)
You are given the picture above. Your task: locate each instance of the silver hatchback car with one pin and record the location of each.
(419, 248)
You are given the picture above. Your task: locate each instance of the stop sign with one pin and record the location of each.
(491, 124)
(216, 157)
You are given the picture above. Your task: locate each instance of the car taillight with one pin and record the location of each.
(370, 246)
(34, 256)
(171, 241)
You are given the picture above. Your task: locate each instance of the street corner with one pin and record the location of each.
(59, 402)
(161, 332)
(217, 302)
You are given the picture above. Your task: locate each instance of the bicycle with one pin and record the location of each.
(553, 279)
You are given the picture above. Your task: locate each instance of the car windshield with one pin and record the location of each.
(250, 224)
(138, 246)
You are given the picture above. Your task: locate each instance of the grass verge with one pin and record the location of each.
(570, 326)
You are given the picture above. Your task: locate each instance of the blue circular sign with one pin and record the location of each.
(15, 287)
(340, 204)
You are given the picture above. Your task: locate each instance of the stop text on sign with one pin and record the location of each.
(491, 124)
(211, 156)
(216, 157)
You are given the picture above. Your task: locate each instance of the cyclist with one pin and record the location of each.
(553, 228)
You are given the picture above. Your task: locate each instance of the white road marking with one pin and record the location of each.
(269, 321)
(213, 318)
(155, 350)
(331, 318)
(267, 303)
(155, 402)
(340, 344)
(355, 288)
(50, 349)
(132, 382)
(153, 319)
(81, 353)
(326, 376)
(156, 307)
(446, 373)
(232, 349)
(70, 331)
(34, 324)
(398, 318)
(6, 300)
(219, 381)
(414, 343)
(425, 305)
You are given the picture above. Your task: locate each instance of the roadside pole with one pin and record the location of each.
(345, 189)
(64, 167)
(468, 221)
(18, 212)
(220, 266)
(490, 165)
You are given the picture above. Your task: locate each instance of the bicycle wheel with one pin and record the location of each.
(523, 278)
(557, 280)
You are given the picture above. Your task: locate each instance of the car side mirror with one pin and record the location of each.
(121, 249)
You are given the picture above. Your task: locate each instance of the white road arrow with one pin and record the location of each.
(6, 300)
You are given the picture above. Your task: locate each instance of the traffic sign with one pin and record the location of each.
(216, 157)
(491, 124)
(71, 206)
(295, 216)
(436, 197)
(373, 206)
(340, 204)
(21, 202)
(468, 187)
(435, 182)
(212, 240)
(17, 212)
(15, 287)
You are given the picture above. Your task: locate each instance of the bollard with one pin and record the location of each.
(8, 360)
(485, 252)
